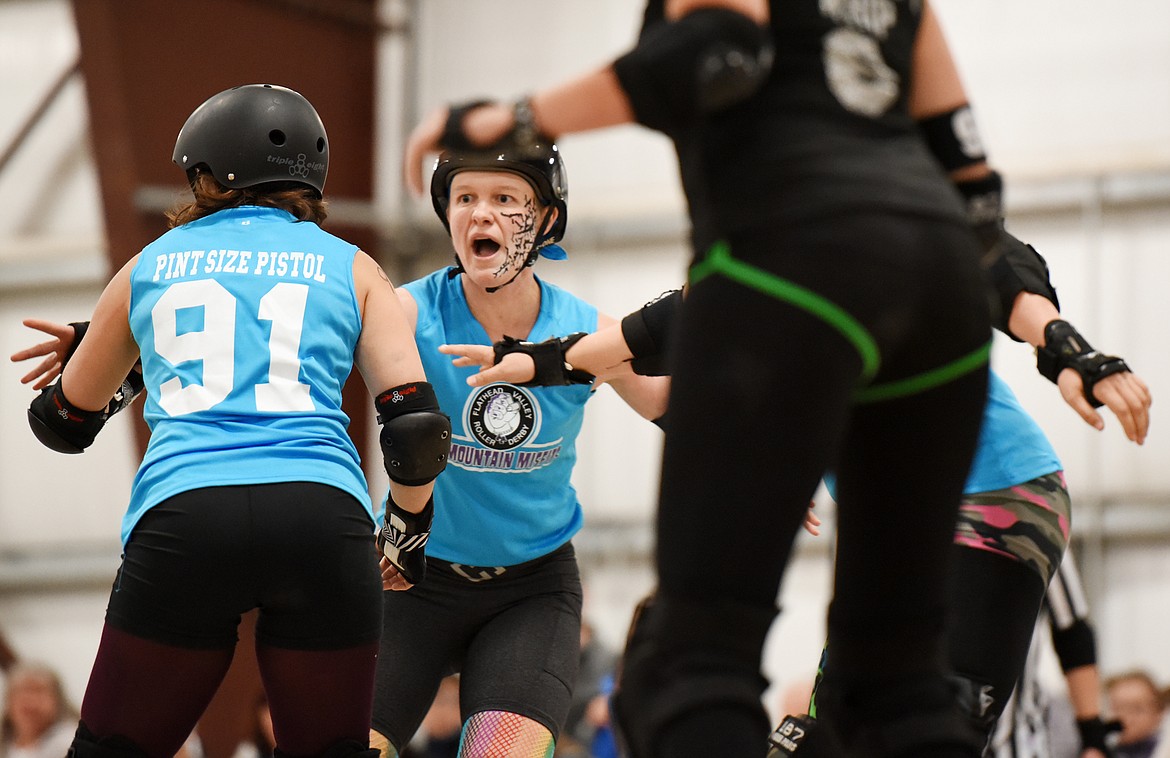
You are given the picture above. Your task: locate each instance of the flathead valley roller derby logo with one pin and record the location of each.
(501, 417)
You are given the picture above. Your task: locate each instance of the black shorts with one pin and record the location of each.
(301, 552)
(515, 638)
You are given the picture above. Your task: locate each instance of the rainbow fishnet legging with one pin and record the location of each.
(491, 734)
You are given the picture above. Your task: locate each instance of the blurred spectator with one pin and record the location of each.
(262, 741)
(442, 727)
(599, 716)
(1136, 702)
(38, 720)
(1163, 748)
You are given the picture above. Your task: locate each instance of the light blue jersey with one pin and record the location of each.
(1012, 447)
(505, 496)
(247, 323)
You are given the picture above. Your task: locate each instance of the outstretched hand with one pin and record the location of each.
(53, 352)
(1123, 393)
(514, 368)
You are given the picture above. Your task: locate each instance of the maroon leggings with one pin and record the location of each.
(304, 555)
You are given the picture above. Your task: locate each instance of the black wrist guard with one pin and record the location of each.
(1094, 733)
(79, 329)
(60, 425)
(132, 385)
(453, 137)
(1065, 348)
(549, 359)
(523, 133)
(404, 536)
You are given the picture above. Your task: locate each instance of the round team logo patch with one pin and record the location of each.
(501, 417)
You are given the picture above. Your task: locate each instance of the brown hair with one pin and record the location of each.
(210, 196)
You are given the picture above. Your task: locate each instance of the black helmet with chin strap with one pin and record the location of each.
(538, 162)
(255, 134)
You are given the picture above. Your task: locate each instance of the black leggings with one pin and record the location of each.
(857, 345)
(515, 639)
(301, 552)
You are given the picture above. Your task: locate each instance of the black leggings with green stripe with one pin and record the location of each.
(857, 344)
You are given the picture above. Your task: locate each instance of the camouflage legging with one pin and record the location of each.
(1028, 522)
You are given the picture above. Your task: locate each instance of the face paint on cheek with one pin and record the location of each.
(523, 236)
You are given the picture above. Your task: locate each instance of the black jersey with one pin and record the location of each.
(829, 130)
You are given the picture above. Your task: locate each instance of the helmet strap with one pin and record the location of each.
(519, 271)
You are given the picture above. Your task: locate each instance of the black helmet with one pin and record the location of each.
(253, 134)
(539, 162)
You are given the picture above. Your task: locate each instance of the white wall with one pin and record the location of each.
(1075, 104)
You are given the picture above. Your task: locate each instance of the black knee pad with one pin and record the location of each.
(916, 718)
(87, 745)
(343, 749)
(680, 657)
(979, 703)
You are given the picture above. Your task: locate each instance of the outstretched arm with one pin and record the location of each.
(98, 376)
(55, 354)
(1028, 307)
(636, 345)
(603, 354)
(725, 43)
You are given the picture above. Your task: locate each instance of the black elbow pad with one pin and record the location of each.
(647, 333)
(415, 436)
(1017, 268)
(706, 61)
(1075, 645)
(60, 425)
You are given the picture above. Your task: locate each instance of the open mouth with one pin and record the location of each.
(485, 247)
